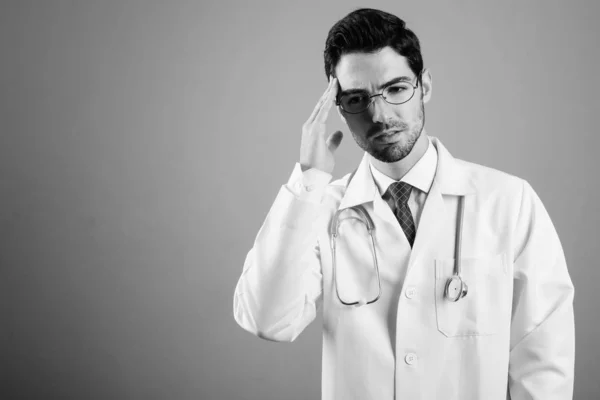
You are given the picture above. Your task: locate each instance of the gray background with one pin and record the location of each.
(143, 142)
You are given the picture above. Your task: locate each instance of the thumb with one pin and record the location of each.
(334, 140)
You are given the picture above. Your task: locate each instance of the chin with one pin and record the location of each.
(393, 153)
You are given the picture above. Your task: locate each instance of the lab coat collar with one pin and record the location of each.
(361, 186)
(451, 177)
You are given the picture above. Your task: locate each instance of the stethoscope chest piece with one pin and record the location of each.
(456, 288)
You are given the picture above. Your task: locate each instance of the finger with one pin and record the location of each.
(324, 103)
(321, 101)
(326, 106)
(334, 140)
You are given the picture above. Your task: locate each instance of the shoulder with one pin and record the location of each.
(491, 181)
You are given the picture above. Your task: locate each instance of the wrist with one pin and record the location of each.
(322, 168)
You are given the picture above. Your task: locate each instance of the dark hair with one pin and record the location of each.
(368, 30)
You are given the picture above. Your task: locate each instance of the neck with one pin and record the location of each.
(398, 169)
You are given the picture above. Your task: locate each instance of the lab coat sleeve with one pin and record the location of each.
(542, 341)
(280, 288)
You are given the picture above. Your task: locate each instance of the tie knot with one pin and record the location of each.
(400, 192)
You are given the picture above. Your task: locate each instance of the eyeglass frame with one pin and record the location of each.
(338, 103)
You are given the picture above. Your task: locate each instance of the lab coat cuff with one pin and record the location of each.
(293, 212)
(308, 185)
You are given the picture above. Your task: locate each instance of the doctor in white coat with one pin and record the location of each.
(459, 291)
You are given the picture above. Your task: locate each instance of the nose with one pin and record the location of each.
(381, 111)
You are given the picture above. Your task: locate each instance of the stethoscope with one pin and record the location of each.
(455, 289)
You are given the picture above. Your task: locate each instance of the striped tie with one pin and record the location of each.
(400, 192)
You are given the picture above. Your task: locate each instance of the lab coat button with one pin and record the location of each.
(410, 292)
(411, 358)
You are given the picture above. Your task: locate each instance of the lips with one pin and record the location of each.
(389, 132)
(388, 136)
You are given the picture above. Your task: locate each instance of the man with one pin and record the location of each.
(460, 290)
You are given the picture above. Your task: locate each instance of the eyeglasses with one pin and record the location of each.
(398, 93)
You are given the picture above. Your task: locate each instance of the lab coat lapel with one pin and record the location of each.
(434, 213)
(451, 179)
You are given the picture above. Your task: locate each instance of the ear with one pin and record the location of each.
(427, 85)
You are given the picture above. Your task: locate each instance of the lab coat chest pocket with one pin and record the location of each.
(485, 308)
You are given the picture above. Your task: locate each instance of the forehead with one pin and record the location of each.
(369, 70)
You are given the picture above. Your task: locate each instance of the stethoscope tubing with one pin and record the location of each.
(458, 242)
(334, 233)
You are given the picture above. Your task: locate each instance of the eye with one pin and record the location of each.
(355, 99)
(394, 89)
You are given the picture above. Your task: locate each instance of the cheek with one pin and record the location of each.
(412, 113)
(358, 122)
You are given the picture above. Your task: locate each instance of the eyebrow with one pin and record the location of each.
(381, 87)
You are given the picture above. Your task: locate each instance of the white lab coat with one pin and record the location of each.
(512, 336)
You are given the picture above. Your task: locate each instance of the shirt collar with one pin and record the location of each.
(419, 176)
